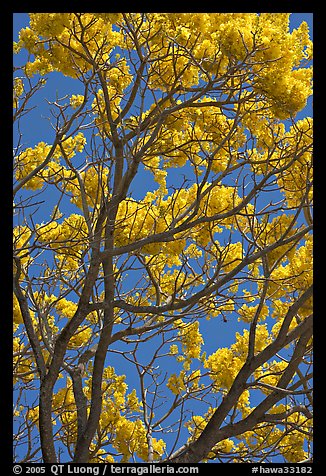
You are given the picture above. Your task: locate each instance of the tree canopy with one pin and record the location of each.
(163, 239)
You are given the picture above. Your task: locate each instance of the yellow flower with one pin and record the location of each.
(76, 100)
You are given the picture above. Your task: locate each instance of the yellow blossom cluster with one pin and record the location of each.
(290, 439)
(269, 374)
(66, 308)
(292, 447)
(23, 366)
(56, 41)
(94, 183)
(225, 363)
(293, 181)
(197, 424)
(31, 158)
(232, 255)
(180, 383)
(247, 313)
(76, 100)
(127, 436)
(21, 237)
(270, 232)
(293, 154)
(137, 220)
(191, 132)
(73, 144)
(205, 45)
(191, 341)
(28, 160)
(218, 37)
(17, 91)
(296, 275)
(17, 315)
(192, 251)
(214, 309)
(81, 336)
(69, 238)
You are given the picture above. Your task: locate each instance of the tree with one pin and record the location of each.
(169, 320)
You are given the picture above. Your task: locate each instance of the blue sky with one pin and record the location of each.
(37, 129)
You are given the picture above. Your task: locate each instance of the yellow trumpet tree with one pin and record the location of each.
(163, 305)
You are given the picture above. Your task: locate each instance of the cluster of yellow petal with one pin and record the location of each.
(191, 341)
(74, 144)
(296, 275)
(225, 363)
(191, 132)
(130, 439)
(293, 443)
(127, 436)
(182, 49)
(280, 310)
(43, 300)
(17, 315)
(33, 415)
(81, 337)
(270, 232)
(182, 382)
(23, 367)
(292, 440)
(137, 220)
(154, 214)
(69, 238)
(31, 158)
(284, 82)
(66, 308)
(224, 446)
(192, 251)
(197, 424)
(248, 296)
(232, 255)
(94, 183)
(204, 44)
(269, 374)
(294, 179)
(214, 309)
(28, 160)
(21, 237)
(247, 313)
(76, 100)
(58, 42)
(17, 91)
(224, 367)
(293, 154)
